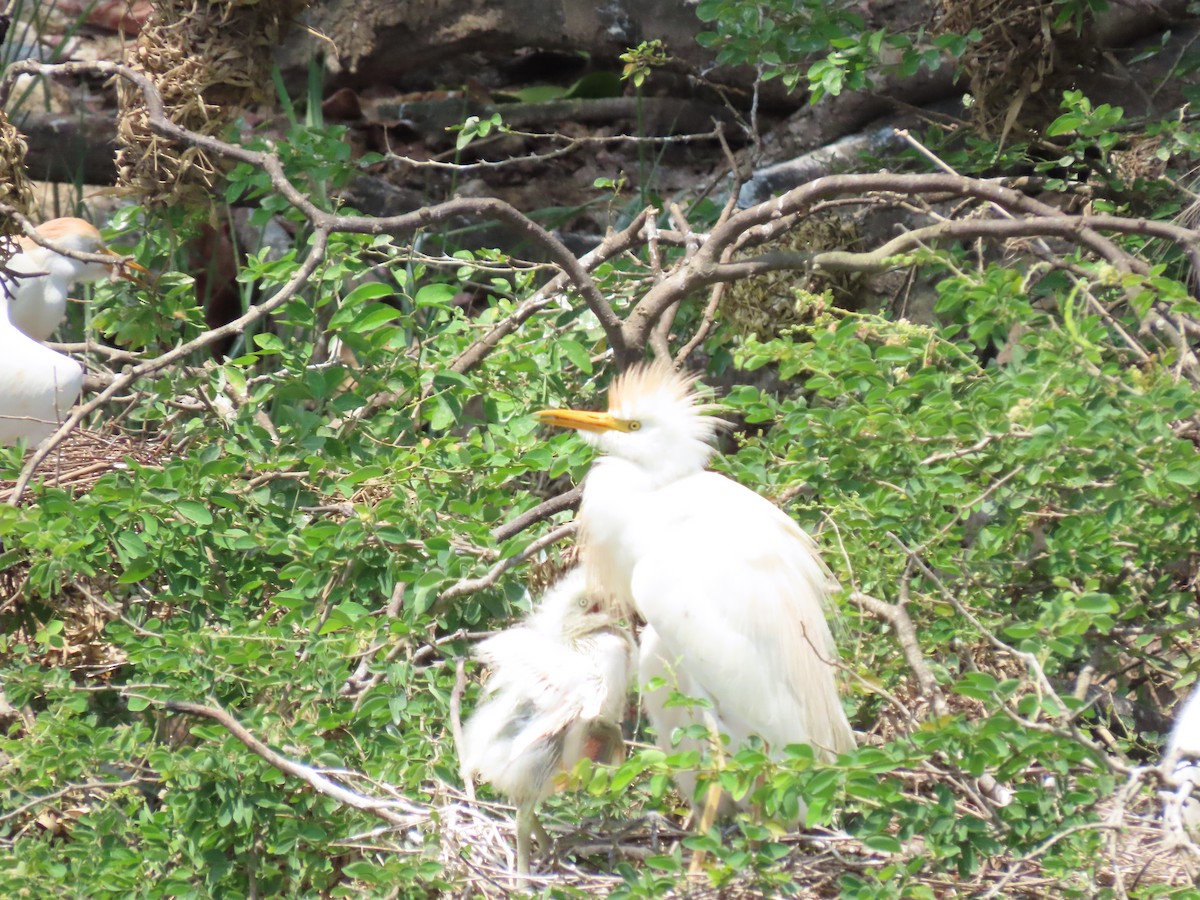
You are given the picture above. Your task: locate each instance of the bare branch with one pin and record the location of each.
(613, 244)
(82, 787)
(470, 585)
(707, 319)
(897, 616)
(544, 510)
(767, 220)
(322, 784)
(456, 695)
(476, 208)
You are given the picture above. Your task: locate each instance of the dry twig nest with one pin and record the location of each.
(15, 188)
(209, 59)
(544, 572)
(768, 304)
(83, 457)
(78, 462)
(1022, 63)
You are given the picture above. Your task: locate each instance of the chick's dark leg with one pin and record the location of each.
(526, 822)
(543, 837)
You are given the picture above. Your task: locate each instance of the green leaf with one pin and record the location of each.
(194, 511)
(576, 354)
(137, 570)
(435, 295)
(884, 843)
(371, 317)
(1188, 477)
(268, 343)
(370, 290)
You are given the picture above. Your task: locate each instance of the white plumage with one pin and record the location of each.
(731, 587)
(38, 386)
(655, 662)
(39, 299)
(556, 694)
(1183, 757)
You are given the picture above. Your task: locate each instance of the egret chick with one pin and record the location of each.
(39, 289)
(37, 385)
(733, 589)
(556, 695)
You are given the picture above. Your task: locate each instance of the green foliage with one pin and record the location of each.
(475, 127)
(286, 556)
(640, 60)
(825, 45)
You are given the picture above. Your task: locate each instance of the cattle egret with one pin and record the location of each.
(38, 290)
(37, 385)
(556, 695)
(1183, 757)
(731, 587)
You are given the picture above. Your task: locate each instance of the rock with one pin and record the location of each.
(424, 44)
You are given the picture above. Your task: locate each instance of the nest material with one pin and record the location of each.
(1141, 159)
(209, 60)
(544, 572)
(768, 304)
(76, 465)
(16, 190)
(475, 845)
(1021, 65)
(84, 457)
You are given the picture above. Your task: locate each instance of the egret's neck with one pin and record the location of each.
(614, 484)
(63, 273)
(648, 465)
(614, 498)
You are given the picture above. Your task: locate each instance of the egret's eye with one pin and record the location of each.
(635, 426)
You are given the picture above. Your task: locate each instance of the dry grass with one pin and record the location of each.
(474, 841)
(83, 457)
(209, 60)
(1019, 68)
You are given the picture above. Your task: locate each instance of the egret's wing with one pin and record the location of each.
(38, 387)
(612, 652)
(593, 685)
(561, 669)
(496, 748)
(742, 611)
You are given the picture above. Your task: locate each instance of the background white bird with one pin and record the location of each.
(556, 695)
(39, 290)
(733, 589)
(1182, 757)
(38, 385)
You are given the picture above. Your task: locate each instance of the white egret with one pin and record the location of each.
(556, 695)
(1182, 756)
(38, 290)
(37, 385)
(733, 589)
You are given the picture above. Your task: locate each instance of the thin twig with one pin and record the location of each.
(470, 585)
(322, 784)
(544, 510)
